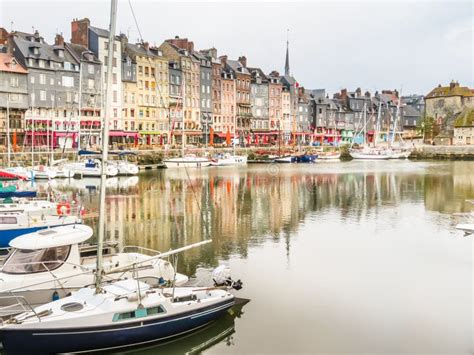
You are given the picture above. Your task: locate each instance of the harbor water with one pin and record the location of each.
(340, 258)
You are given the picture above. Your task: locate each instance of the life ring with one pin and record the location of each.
(63, 209)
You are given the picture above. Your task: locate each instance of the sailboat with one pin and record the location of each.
(368, 153)
(189, 160)
(48, 264)
(121, 313)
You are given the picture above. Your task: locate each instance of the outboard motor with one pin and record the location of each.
(221, 277)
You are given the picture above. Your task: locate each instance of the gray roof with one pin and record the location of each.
(46, 51)
(77, 51)
(258, 71)
(236, 66)
(410, 111)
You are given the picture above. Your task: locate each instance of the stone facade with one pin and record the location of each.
(443, 104)
(228, 102)
(274, 101)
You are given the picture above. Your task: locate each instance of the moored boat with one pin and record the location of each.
(188, 161)
(228, 160)
(47, 264)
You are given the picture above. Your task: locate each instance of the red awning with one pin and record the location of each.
(223, 135)
(64, 134)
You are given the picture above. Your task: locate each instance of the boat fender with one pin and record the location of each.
(63, 208)
(55, 296)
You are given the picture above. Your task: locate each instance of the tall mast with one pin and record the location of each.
(395, 122)
(8, 131)
(377, 126)
(184, 111)
(365, 123)
(105, 144)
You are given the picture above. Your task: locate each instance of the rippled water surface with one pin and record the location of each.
(356, 257)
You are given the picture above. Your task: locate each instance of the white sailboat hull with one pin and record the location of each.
(283, 160)
(369, 156)
(230, 161)
(187, 162)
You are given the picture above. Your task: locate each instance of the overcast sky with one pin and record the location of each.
(373, 45)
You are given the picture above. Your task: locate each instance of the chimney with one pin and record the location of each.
(395, 92)
(182, 43)
(243, 61)
(358, 92)
(146, 45)
(3, 36)
(223, 59)
(80, 31)
(367, 94)
(123, 40)
(343, 94)
(59, 40)
(452, 85)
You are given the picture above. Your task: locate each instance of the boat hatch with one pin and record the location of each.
(47, 232)
(141, 312)
(72, 307)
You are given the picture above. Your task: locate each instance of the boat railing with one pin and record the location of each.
(20, 305)
(138, 249)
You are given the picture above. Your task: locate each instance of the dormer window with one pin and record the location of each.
(35, 50)
(60, 53)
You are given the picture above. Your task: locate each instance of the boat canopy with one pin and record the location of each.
(53, 237)
(88, 152)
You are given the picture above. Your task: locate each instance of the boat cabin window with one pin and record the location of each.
(139, 313)
(7, 220)
(24, 261)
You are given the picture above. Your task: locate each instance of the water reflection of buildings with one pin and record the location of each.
(247, 207)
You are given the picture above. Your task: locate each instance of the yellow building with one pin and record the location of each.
(146, 100)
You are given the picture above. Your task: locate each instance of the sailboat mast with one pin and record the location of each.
(184, 111)
(8, 132)
(105, 144)
(377, 126)
(395, 123)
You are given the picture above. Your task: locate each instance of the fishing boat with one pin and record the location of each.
(47, 264)
(228, 160)
(124, 167)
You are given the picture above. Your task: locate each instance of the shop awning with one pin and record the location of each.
(150, 132)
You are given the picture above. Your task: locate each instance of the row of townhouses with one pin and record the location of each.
(53, 94)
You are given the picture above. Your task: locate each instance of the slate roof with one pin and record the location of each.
(260, 73)
(77, 51)
(101, 32)
(236, 66)
(410, 111)
(46, 51)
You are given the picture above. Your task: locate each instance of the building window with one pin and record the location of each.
(14, 81)
(42, 79)
(42, 95)
(115, 96)
(90, 83)
(132, 114)
(90, 69)
(115, 113)
(68, 81)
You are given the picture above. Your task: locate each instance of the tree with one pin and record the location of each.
(426, 127)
